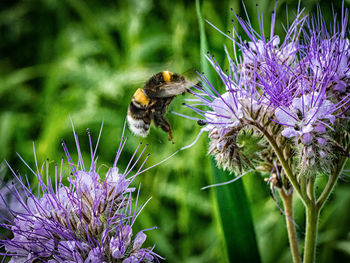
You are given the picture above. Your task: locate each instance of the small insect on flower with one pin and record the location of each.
(151, 102)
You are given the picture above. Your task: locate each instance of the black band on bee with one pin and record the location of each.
(136, 111)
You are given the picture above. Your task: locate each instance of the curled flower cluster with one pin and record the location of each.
(89, 220)
(294, 95)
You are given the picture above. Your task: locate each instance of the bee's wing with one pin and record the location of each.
(172, 89)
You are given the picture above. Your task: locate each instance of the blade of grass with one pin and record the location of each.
(231, 199)
(236, 218)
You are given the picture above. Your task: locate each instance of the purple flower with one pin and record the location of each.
(292, 91)
(226, 112)
(90, 219)
(304, 114)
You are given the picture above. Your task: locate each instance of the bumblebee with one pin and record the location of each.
(152, 101)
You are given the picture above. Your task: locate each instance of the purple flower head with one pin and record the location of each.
(88, 220)
(261, 76)
(279, 92)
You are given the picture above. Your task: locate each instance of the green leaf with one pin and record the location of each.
(231, 199)
(236, 218)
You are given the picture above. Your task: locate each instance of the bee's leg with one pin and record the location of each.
(160, 120)
(167, 103)
(151, 105)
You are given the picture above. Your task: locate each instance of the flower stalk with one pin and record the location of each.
(287, 199)
(313, 212)
(312, 217)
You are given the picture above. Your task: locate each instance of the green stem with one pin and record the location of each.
(312, 215)
(292, 234)
(314, 208)
(303, 185)
(311, 189)
(284, 163)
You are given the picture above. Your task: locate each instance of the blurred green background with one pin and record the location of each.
(84, 60)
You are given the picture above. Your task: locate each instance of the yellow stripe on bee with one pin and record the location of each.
(167, 76)
(141, 97)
